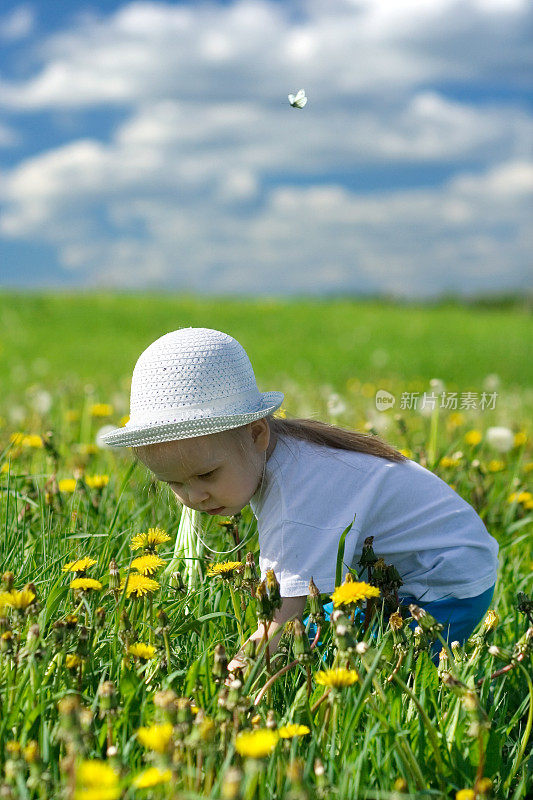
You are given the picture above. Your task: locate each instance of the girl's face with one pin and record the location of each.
(218, 473)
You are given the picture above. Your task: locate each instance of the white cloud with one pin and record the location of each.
(201, 185)
(472, 232)
(252, 48)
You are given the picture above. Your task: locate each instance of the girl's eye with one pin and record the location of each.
(205, 475)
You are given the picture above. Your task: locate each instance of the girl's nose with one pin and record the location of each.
(197, 496)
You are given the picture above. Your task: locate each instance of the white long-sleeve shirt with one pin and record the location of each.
(311, 493)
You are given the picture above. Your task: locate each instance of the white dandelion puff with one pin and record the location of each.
(500, 438)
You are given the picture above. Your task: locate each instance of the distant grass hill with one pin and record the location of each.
(97, 337)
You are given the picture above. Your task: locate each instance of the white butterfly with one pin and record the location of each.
(299, 100)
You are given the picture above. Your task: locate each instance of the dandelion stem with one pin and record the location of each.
(481, 762)
(167, 650)
(397, 667)
(503, 670)
(237, 610)
(151, 616)
(320, 700)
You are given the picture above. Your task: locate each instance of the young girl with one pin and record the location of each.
(200, 424)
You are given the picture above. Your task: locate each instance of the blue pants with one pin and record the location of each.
(458, 615)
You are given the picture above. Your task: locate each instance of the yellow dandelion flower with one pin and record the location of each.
(85, 584)
(80, 565)
(520, 438)
(495, 465)
(16, 438)
(151, 539)
(456, 419)
(353, 592)
(405, 451)
(96, 780)
(20, 600)
(280, 413)
(138, 585)
(141, 650)
(520, 497)
(5, 467)
(73, 661)
(400, 785)
(88, 449)
(97, 481)
(13, 748)
(528, 466)
(337, 678)
(368, 390)
(32, 440)
(31, 752)
(465, 794)
(123, 421)
(156, 737)
(98, 793)
(207, 729)
(256, 744)
(101, 410)
(473, 437)
(528, 505)
(152, 777)
(448, 462)
(67, 485)
(224, 569)
(147, 564)
(288, 731)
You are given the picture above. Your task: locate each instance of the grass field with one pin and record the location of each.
(105, 695)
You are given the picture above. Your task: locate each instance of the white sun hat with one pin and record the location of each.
(191, 382)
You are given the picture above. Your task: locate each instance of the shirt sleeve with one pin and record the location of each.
(298, 551)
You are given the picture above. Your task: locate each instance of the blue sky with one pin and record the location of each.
(152, 145)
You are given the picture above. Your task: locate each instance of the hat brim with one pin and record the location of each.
(189, 428)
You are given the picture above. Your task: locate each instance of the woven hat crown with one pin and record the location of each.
(191, 382)
(191, 371)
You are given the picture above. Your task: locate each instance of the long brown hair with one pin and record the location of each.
(312, 430)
